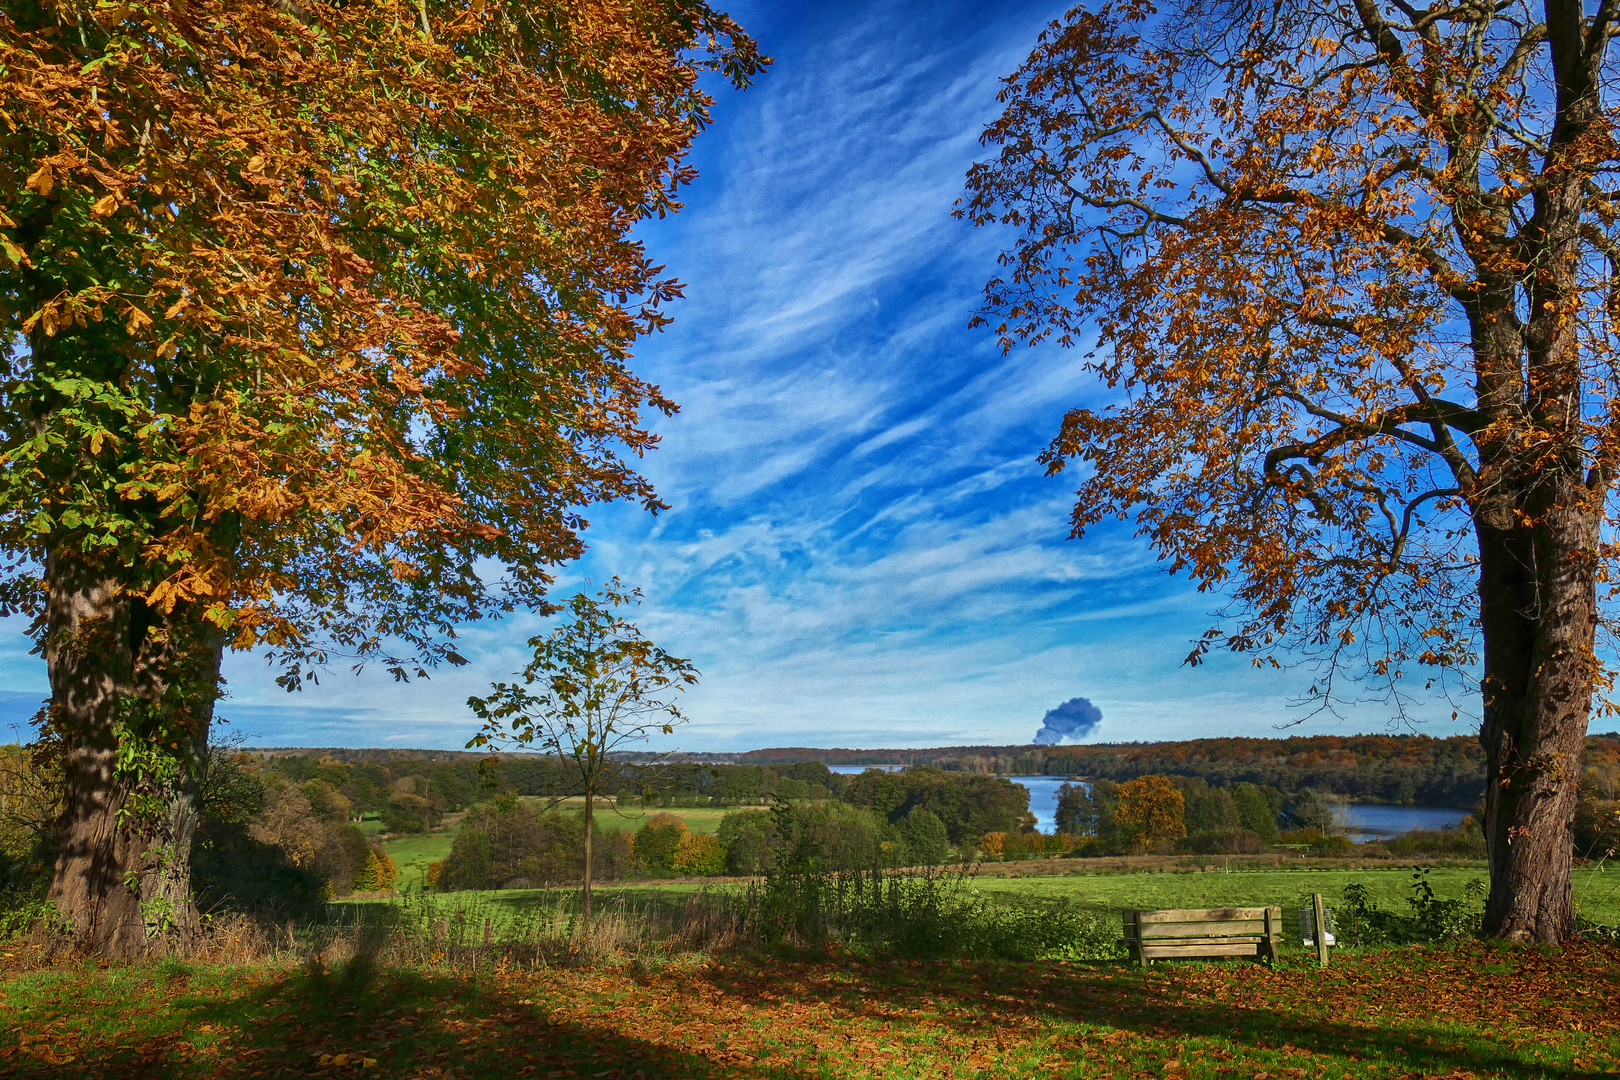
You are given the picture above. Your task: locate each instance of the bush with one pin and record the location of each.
(930, 912)
(699, 855)
(658, 842)
(750, 840)
(1316, 841)
(1360, 921)
(378, 874)
(1234, 840)
(506, 841)
(1457, 843)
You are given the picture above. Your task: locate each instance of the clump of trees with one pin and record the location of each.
(1169, 814)
(508, 844)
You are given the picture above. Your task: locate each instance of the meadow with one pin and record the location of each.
(1597, 890)
(621, 1002)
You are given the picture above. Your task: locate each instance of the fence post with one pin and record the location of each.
(1321, 930)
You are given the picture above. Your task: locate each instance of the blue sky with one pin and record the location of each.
(862, 549)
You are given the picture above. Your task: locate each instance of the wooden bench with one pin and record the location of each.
(1182, 933)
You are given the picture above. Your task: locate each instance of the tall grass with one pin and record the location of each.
(922, 912)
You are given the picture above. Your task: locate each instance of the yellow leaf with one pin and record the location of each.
(368, 1063)
(41, 180)
(17, 255)
(104, 206)
(136, 320)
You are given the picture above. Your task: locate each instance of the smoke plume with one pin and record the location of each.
(1074, 719)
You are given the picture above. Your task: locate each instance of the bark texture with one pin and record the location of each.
(122, 879)
(1538, 606)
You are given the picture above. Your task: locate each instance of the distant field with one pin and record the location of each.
(411, 854)
(1597, 892)
(699, 819)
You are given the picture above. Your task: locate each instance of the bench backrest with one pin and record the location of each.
(1176, 923)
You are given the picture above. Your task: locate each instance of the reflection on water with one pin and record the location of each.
(1361, 822)
(1370, 821)
(1043, 797)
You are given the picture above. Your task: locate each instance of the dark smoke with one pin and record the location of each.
(1074, 719)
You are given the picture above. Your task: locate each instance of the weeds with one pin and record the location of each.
(1433, 918)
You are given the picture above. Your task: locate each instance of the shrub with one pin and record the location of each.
(923, 838)
(699, 855)
(1360, 921)
(658, 842)
(1234, 840)
(378, 873)
(930, 912)
(1316, 841)
(1453, 842)
(504, 842)
(750, 840)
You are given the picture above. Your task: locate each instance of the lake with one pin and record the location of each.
(1043, 797)
(1361, 822)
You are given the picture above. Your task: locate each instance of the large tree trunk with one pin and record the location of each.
(122, 878)
(1539, 616)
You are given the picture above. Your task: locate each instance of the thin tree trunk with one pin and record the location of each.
(1538, 613)
(122, 879)
(585, 893)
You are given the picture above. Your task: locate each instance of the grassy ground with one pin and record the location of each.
(1597, 891)
(699, 819)
(412, 853)
(1470, 1011)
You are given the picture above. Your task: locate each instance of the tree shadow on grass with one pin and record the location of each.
(1153, 1005)
(358, 1023)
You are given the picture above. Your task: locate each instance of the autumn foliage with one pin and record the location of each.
(1151, 808)
(314, 313)
(1346, 273)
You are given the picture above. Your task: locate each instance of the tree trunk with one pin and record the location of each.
(122, 879)
(585, 892)
(1538, 607)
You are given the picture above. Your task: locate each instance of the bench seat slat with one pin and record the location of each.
(1171, 943)
(1173, 952)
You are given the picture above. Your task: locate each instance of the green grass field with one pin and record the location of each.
(412, 853)
(1597, 891)
(699, 819)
